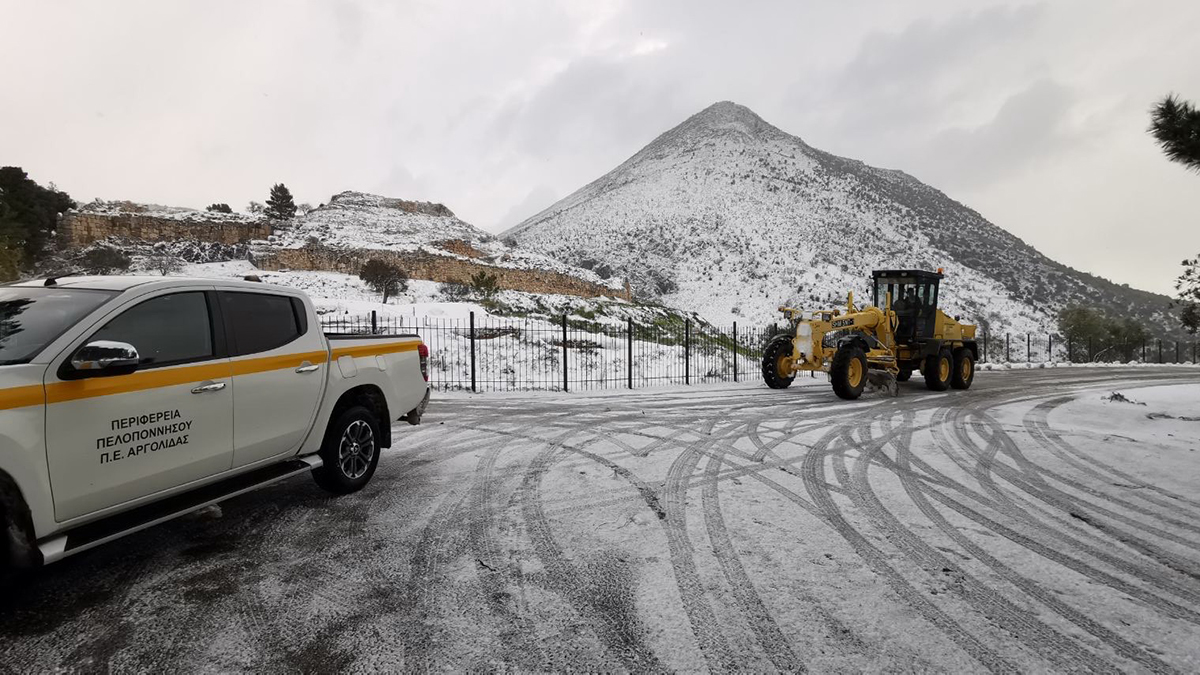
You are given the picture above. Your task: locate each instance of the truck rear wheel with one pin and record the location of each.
(964, 369)
(938, 368)
(777, 362)
(848, 370)
(350, 451)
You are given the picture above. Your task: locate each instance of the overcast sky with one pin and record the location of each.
(1032, 113)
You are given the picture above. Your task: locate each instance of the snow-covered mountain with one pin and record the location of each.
(729, 216)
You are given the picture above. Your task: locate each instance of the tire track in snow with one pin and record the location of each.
(813, 471)
(916, 492)
(1031, 633)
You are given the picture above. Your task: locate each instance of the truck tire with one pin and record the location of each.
(350, 451)
(904, 374)
(776, 357)
(6, 569)
(964, 369)
(938, 368)
(848, 370)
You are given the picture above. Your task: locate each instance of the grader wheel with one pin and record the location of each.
(848, 370)
(777, 363)
(938, 370)
(964, 369)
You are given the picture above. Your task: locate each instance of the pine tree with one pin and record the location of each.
(1175, 124)
(1188, 286)
(280, 205)
(28, 212)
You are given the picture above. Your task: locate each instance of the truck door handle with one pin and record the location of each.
(307, 367)
(211, 386)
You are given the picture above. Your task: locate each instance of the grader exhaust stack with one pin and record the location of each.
(903, 332)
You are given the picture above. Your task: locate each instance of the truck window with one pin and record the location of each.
(260, 322)
(31, 318)
(166, 330)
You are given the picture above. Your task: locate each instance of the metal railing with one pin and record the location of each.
(569, 353)
(482, 353)
(1053, 348)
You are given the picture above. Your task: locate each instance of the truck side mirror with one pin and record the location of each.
(105, 357)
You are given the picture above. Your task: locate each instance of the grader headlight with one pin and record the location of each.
(804, 343)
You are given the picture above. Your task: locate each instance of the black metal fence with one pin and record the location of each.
(575, 354)
(571, 354)
(1051, 348)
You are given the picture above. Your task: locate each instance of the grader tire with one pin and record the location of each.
(848, 370)
(964, 368)
(777, 357)
(904, 374)
(937, 370)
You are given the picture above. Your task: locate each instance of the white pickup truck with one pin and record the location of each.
(128, 401)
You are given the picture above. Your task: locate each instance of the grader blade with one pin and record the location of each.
(883, 381)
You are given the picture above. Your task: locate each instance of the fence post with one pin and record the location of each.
(1160, 350)
(985, 346)
(564, 343)
(629, 332)
(1007, 350)
(374, 323)
(735, 354)
(687, 351)
(1070, 350)
(1028, 341)
(1143, 350)
(472, 351)
(1177, 351)
(1090, 355)
(1050, 347)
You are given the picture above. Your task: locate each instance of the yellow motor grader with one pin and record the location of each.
(902, 333)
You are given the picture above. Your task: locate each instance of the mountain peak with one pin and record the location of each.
(730, 116)
(728, 110)
(723, 119)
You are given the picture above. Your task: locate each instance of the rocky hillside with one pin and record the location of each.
(729, 216)
(426, 239)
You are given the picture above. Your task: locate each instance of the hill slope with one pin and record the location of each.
(729, 216)
(358, 221)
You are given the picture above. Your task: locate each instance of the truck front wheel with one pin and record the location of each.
(848, 370)
(777, 363)
(350, 452)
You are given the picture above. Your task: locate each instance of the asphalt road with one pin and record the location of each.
(720, 528)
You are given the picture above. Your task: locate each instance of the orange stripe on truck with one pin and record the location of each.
(20, 397)
(377, 349)
(92, 387)
(266, 363)
(59, 392)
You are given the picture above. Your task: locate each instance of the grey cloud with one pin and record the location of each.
(1030, 126)
(538, 198)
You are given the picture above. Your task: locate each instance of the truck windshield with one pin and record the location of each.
(31, 318)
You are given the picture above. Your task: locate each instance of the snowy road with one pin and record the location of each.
(1026, 524)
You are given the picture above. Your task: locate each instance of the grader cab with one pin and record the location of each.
(901, 333)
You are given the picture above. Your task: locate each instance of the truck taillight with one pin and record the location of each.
(423, 352)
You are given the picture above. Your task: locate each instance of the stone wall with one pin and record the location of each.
(80, 228)
(422, 265)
